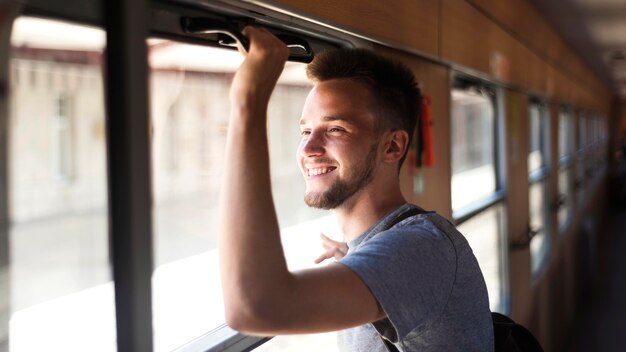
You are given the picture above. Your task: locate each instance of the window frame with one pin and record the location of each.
(459, 81)
(543, 171)
(541, 176)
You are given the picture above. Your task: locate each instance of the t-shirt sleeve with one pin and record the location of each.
(410, 270)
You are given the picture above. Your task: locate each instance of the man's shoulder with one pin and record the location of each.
(427, 224)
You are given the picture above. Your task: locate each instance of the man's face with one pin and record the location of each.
(339, 147)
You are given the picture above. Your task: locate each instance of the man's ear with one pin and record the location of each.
(397, 144)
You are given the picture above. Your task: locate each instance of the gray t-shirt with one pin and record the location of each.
(424, 275)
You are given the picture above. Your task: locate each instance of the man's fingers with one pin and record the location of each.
(323, 257)
(328, 240)
(264, 41)
(330, 243)
(330, 253)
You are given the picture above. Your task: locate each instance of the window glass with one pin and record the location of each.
(565, 196)
(565, 133)
(61, 291)
(484, 232)
(535, 154)
(473, 147)
(565, 180)
(540, 243)
(537, 137)
(190, 116)
(538, 209)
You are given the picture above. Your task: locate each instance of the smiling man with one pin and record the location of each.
(408, 277)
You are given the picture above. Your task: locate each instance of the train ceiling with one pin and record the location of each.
(597, 30)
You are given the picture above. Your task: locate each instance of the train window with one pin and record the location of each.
(538, 138)
(540, 242)
(565, 179)
(565, 134)
(190, 115)
(538, 179)
(473, 147)
(61, 290)
(476, 202)
(583, 149)
(484, 234)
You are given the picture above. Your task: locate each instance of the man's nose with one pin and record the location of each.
(313, 145)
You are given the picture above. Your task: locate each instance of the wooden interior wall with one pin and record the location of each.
(526, 24)
(516, 138)
(506, 40)
(413, 24)
(434, 82)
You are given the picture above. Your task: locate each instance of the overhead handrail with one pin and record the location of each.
(229, 34)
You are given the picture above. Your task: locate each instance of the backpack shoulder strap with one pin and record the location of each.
(405, 215)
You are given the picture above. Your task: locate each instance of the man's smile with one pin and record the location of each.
(319, 170)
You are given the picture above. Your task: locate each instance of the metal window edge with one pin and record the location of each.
(468, 212)
(538, 175)
(223, 339)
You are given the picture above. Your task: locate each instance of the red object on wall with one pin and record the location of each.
(427, 133)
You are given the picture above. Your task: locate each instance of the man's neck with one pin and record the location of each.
(359, 214)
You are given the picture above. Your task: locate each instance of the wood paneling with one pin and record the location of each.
(518, 210)
(507, 40)
(471, 39)
(413, 24)
(434, 83)
(467, 37)
(524, 21)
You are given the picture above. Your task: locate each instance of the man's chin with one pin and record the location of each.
(320, 201)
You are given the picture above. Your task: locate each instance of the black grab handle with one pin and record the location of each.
(229, 33)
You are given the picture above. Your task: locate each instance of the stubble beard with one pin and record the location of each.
(342, 189)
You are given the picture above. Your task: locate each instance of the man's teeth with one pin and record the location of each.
(319, 171)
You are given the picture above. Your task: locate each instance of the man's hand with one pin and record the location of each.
(256, 78)
(334, 249)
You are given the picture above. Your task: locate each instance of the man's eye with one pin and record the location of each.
(305, 133)
(335, 129)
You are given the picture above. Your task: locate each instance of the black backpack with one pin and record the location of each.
(509, 336)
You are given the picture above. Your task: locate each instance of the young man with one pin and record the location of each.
(418, 283)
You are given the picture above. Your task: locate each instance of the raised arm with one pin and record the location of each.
(261, 296)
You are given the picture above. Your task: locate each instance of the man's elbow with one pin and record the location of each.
(254, 319)
(239, 322)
